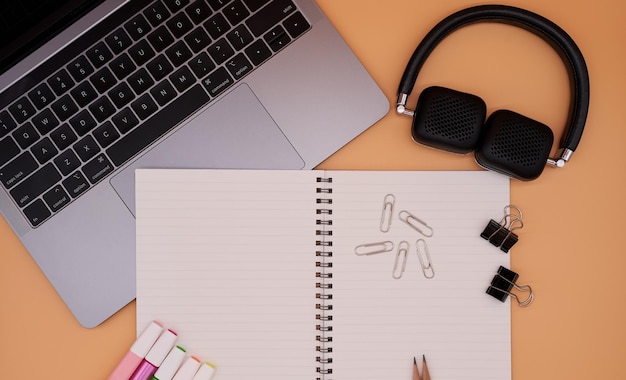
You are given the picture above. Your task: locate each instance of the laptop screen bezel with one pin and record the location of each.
(22, 38)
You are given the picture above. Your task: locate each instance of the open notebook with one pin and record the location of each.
(258, 271)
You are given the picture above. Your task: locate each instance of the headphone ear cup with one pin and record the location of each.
(515, 145)
(449, 120)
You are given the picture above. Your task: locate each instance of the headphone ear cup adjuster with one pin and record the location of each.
(448, 120)
(514, 145)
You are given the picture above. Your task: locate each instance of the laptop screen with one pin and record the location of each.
(27, 24)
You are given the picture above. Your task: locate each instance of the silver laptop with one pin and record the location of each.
(92, 90)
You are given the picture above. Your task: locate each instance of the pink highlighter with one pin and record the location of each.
(137, 352)
(155, 356)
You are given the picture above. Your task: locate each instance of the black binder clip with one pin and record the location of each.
(502, 284)
(501, 234)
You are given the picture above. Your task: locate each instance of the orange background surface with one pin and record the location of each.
(570, 251)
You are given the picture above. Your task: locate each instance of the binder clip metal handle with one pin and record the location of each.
(501, 234)
(502, 284)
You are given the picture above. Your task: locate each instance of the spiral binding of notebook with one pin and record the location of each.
(324, 275)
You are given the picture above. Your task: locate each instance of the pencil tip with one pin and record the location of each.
(414, 360)
(423, 357)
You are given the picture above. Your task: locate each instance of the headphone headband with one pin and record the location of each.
(539, 25)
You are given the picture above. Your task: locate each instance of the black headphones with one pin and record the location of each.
(506, 142)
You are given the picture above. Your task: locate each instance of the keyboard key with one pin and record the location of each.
(106, 134)
(140, 81)
(103, 80)
(44, 150)
(37, 213)
(179, 24)
(22, 110)
(198, 39)
(99, 54)
(258, 52)
(8, 150)
(141, 52)
(41, 96)
(160, 38)
(80, 68)
(67, 162)
(35, 185)
(97, 169)
(239, 37)
(182, 78)
(159, 67)
(121, 95)
(296, 24)
(217, 4)
(155, 127)
(118, 41)
(235, 12)
(270, 15)
(163, 92)
(217, 81)
(122, 66)
(216, 26)
(83, 122)
(137, 27)
(125, 120)
(76, 184)
(86, 148)
(7, 124)
(198, 11)
(201, 65)
(178, 53)
(220, 51)
(84, 93)
(18, 169)
(277, 38)
(144, 107)
(56, 198)
(60, 82)
(156, 13)
(64, 107)
(239, 66)
(63, 136)
(176, 5)
(102, 108)
(254, 5)
(45, 121)
(26, 135)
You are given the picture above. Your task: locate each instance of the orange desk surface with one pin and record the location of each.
(570, 251)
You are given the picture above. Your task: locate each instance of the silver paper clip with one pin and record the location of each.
(387, 213)
(400, 263)
(373, 248)
(423, 254)
(416, 223)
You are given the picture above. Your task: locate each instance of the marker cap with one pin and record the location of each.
(188, 369)
(205, 372)
(146, 339)
(155, 356)
(137, 352)
(161, 348)
(170, 365)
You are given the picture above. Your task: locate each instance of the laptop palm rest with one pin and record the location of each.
(235, 133)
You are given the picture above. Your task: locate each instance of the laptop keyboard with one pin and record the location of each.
(122, 85)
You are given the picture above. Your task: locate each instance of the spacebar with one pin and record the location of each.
(157, 125)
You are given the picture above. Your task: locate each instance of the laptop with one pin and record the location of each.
(92, 90)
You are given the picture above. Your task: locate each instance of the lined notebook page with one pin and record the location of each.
(227, 259)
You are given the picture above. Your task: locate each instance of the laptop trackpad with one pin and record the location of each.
(234, 133)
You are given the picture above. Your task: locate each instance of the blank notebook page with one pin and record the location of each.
(227, 258)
